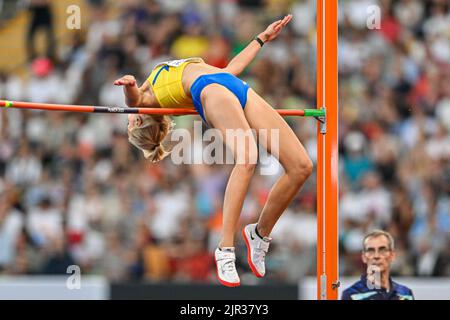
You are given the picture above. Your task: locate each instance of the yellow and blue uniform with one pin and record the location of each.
(165, 80)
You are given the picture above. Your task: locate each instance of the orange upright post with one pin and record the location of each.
(327, 163)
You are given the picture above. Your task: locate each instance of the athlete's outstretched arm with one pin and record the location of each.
(136, 96)
(243, 59)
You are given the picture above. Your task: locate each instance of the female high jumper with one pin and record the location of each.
(224, 102)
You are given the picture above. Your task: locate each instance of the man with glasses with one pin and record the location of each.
(378, 254)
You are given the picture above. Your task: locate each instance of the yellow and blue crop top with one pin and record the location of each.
(165, 80)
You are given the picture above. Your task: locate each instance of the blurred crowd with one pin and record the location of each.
(74, 191)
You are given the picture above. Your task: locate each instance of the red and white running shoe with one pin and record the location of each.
(226, 267)
(256, 250)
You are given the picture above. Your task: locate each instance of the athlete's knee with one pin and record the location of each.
(244, 146)
(247, 168)
(247, 158)
(301, 168)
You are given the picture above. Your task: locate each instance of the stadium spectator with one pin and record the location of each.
(376, 284)
(41, 18)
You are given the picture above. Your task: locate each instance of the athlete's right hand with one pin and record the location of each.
(274, 29)
(125, 81)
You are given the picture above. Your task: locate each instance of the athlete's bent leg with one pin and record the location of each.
(224, 112)
(297, 165)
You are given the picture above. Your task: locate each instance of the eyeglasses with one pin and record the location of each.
(382, 251)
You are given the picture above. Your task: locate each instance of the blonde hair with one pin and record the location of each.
(148, 137)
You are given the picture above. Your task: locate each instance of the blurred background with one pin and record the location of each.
(73, 191)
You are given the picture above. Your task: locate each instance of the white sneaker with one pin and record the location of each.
(226, 268)
(256, 250)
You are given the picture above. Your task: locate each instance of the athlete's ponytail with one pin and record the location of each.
(148, 137)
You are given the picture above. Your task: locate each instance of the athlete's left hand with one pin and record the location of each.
(274, 29)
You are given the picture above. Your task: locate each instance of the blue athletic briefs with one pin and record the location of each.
(238, 87)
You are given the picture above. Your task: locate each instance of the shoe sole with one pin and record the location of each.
(249, 259)
(226, 283)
